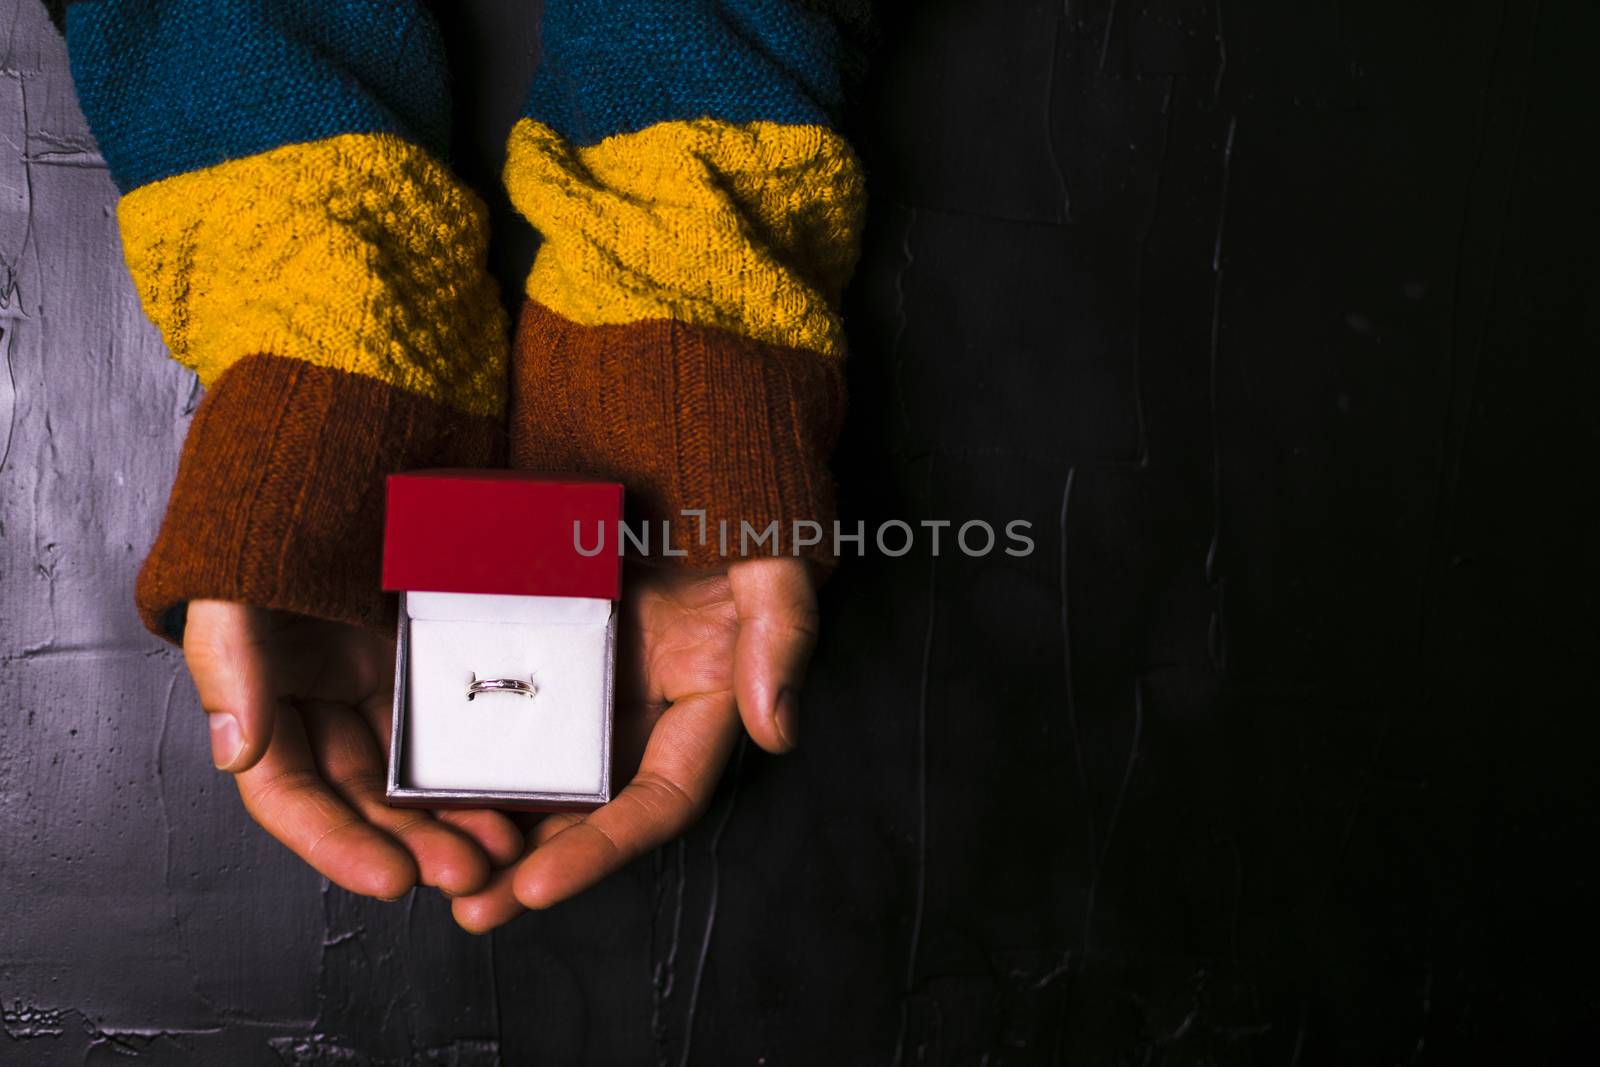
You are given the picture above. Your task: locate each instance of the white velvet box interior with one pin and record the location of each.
(553, 742)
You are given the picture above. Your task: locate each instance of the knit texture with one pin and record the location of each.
(292, 229)
(699, 220)
(171, 86)
(749, 228)
(358, 253)
(686, 417)
(280, 491)
(294, 233)
(618, 66)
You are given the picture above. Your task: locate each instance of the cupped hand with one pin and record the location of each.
(299, 711)
(700, 653)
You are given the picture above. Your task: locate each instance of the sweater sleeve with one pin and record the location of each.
(699, 215)
(292, 229)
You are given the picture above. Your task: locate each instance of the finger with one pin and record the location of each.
(492, 831)
(681, 764)
(494, 905)
(777, 608)
(552, 826)
(285, 794)
(497, 835)
(222, 645)
(497, 904)
(348, 756)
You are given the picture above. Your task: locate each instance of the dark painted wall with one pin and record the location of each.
(1279, 323)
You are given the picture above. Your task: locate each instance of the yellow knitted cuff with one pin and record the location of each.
(750, 228)
(357, 253)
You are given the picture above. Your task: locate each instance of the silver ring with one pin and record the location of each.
(500, 685)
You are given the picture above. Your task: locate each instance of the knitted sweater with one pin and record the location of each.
(292, 226)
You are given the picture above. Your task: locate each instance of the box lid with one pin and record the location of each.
(501, 531)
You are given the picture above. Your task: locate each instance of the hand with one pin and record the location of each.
(700, 653)
(299, 711)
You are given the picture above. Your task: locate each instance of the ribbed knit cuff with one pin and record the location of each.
(688, 418)
(279, 497)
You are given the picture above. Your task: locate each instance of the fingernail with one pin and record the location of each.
(786, 716)
(227, 740)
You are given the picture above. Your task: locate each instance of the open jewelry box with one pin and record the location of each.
(506, 643)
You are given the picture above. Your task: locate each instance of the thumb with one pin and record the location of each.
(777, 608)
(223, 645)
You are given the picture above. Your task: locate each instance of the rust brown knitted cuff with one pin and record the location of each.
(689, 418)
(279, 497)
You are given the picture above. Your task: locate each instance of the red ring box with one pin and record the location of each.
(493, 585)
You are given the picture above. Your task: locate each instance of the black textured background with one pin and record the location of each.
(1277, 320)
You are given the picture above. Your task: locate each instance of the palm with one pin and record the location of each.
(698, 653)
(309, 660)
(679, 637)
(312, 704)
